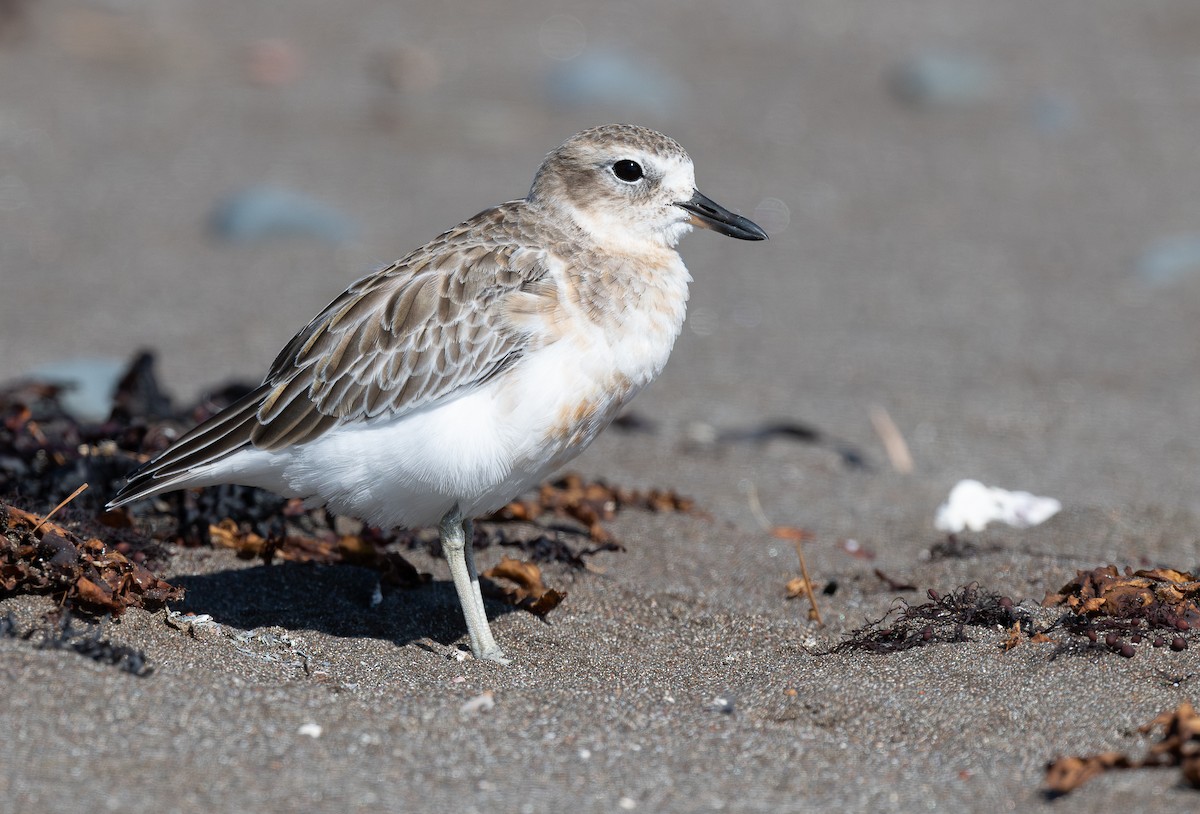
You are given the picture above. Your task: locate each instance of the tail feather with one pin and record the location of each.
(212, 431)
(217, 438)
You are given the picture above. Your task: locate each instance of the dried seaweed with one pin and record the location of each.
(191, 512)
(942, 620)
(590, 503)
(801, 585)
(1066, 774)
(797, 587)
(525, 589)
(1161, 597)
(328, 549)
(851, 456)
(1179, 745)
(139, 395)
(956, 548)
(632, 421)
(45, 452)
(894, 584)
(544, 548)
(89, 575)
(1114, 611)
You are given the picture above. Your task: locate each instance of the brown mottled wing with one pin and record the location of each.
(395, 341)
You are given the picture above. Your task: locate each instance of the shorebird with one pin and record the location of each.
(441, 387)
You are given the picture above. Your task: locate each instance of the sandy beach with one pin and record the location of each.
(985, 224)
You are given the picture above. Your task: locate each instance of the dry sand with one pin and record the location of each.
(970, 267)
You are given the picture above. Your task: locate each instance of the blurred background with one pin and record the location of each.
(985, 217)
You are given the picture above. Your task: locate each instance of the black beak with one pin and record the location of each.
(708, 214)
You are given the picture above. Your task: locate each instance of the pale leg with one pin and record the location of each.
(469, 550)
(456, 546)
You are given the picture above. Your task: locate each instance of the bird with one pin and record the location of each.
(437, 389)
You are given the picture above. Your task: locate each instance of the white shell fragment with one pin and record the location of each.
(971, 505)
(195, 625)
(480, 703)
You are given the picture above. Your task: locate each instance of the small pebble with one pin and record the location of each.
(1169, 259)
(1127, 650)
(856, 549)
(310, 729)
(1182, 624)
(1179, 643)
(1052, 113)
(1159, 641)
(723, 704)
(613, 79)
(261, 212)
(942, 80)
(406, 68)
(273, 62)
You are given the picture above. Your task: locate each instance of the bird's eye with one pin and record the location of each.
(628, 171)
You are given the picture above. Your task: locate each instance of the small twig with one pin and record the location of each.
(796, 536)
(799, 544)
(69, 498)
(893, 441)
(756, 509)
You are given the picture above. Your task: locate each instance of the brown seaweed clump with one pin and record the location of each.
(1179, 746)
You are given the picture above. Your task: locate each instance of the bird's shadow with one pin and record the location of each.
(332, 599)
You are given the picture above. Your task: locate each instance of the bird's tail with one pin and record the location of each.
(183, 465)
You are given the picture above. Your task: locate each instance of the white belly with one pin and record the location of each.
(479, 450)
